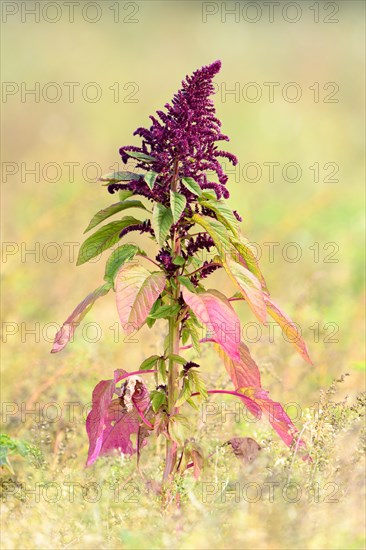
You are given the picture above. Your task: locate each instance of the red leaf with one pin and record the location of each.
(111, 422)
(215, 311)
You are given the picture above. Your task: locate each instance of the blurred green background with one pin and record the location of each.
(123, 67)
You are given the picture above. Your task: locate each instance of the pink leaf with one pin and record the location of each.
(214, 310)
(243, 373)
(277, 417)
(246, 378)
(289, 328)
(136, 291)
(66, 332)
(111, 422)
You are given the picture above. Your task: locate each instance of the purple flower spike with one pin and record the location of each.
(185, 134)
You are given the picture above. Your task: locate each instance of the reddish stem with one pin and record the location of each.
(203, 341)
(141, 415)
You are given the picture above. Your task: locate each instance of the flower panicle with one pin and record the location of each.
(185, 133)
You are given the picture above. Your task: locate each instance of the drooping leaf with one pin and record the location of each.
(249, 286)
(217, 232)
(288, 327)
(192, 186)
(223, 213)
(245, 281)
(66, 332)
(136, 291)
(122, 254)
(243, 373)
(246, 379)
(111, 422)
(162, 220)
(150, 178)
(278, 418)
(111, 210)
(247, 258)
(214, 310)
(103, 239)
(177, 204)
(114, 177)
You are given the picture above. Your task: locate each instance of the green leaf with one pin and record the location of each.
(209, 194)
(187, 283)
(197, 383)
(158, 398)
(140, 156)
(223, 214)
(177, 204)
(162, 220)
(9, 446)
(185, 336)
(247, 283)
(177, 358)
(113, 209)
(150, 178)
(194, 333)
(162, 369)
(192, 186)
(124, 194)
(114, 177)
(122, 254)
(103, 239)
(185, 392)
(149, 362)
(179, 260)
(165, 311)
(150, 321)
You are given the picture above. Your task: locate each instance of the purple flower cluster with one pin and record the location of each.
(183, 138)
(201, 242)
(166, 262)
(143, 227)
(208, 268)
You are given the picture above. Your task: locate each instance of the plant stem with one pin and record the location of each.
(173, 349)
